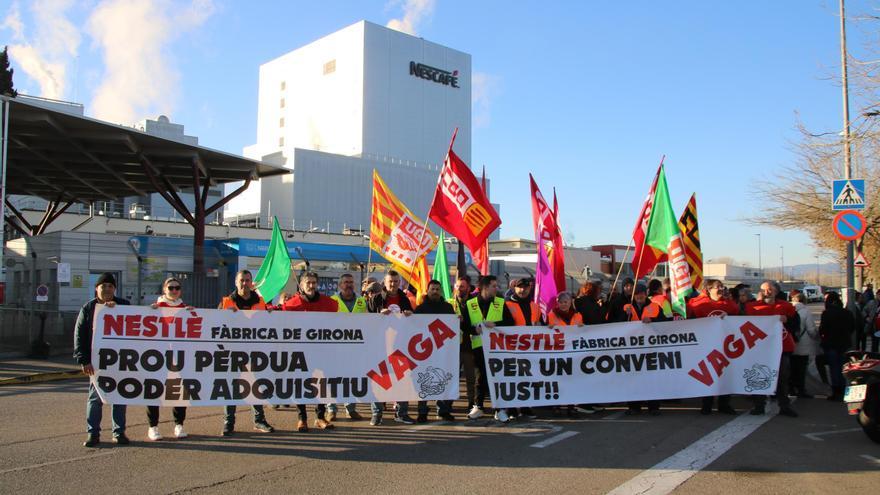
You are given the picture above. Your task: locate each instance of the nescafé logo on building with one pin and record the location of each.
(439, 76)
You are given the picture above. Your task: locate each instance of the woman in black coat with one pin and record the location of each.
(835, 329)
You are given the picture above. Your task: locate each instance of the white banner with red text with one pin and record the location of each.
(206, 357)
(632, 361)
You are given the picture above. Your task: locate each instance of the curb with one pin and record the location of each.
(42, 377)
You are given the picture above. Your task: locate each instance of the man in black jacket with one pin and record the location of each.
(435, 305)
(105, 290)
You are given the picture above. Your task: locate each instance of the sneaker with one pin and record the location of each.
(422, 418)
(92, 441)
(120, 439)
(787, 411)
(375, 420)
(179, 432)
(323, 424)
(228, 429)
(331, 416)
(302, 426)
(354, 416)
(404, 419)
(475, 413)
(586, 409)
(153, 434)
(445, 417)
(527, 413)
(263, 426)
(757, 411)
(501, 415)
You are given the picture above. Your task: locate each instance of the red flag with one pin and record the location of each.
(481, 256)
(558, 259)
(460, 205)
(645, 258)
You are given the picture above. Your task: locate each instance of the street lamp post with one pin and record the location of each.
(782, 261)
(760, 264)
(818, 280)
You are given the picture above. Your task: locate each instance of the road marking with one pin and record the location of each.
(36, 466)
(529, 429)
(664, 477)
(815, 436)
(554, 439)
(871, 459)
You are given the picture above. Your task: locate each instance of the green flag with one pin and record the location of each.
(275, 269)
(441, 268)
(663, 233)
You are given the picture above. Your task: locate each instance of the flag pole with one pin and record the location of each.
(620, 270)
(433, 197)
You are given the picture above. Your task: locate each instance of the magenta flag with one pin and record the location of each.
(545, 286)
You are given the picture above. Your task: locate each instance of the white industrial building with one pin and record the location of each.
(361, 98)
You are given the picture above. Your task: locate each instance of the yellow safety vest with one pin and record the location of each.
(360, 305)
(496, 314)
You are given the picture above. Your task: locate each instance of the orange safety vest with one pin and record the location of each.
(229, 304)
(555, 321)
(519, 318)
(651, 310)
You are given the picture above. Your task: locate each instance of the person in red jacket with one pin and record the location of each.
(170, 298)
(712, 303)
(309, 299)
(768, 304)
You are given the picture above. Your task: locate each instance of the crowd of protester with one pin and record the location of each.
(482, 305)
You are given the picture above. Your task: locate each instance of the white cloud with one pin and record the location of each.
(46, 55)
(414, 12)
(140, 76)
(484, 89)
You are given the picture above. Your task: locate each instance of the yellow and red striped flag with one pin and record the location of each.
(399, 236)
(690, 231)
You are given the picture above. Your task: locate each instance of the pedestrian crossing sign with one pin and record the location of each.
(848, 194)
(860, 261)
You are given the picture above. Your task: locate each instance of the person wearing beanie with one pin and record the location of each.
(105, 293)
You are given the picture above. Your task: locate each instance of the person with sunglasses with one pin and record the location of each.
(170, 298)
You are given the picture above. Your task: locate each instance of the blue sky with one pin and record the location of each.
(586, 95)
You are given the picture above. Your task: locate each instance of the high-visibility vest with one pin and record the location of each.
(555, 321)
(360, 305)
(496, 314)
(228, 303)
(454, 302)
(651, 310)
(663, 301)
(519, 318)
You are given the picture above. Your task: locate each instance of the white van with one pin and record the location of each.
(813, 293)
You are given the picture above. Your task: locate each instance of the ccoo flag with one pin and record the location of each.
(663, 235)
(441, 268)
(549, 244)
(645, 257)
(460, 206)
(690, 231)
(275, 270)
(399, 236)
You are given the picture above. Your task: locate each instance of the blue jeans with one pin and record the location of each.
(834, 358)
(376, 408)
(259, 414)
(95, 412)
(350, 407)
(402, 409)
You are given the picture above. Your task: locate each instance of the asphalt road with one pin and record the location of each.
(682, 451)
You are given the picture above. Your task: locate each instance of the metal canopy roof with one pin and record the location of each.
(63, 157)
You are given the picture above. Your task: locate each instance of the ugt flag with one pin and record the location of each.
(399, 236)
(645, 257)
(460, 205)
(663, 235)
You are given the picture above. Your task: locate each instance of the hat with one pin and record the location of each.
(106, 278)
(640, 289)
(522, 282)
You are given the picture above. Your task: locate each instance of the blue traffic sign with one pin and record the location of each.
(848, 194)
(849, 225)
